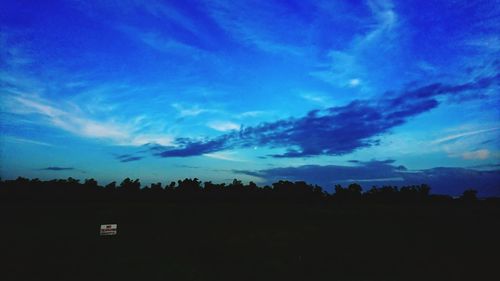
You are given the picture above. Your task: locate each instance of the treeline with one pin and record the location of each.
(195, 190)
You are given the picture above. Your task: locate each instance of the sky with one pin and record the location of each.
(376, 92)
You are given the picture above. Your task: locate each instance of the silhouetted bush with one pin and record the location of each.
(469, 195)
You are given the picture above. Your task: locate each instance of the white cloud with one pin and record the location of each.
(39, 107)
(383, 11)
(156, 139)
(164, 44)
(467, 142)
(223, 126)
(163, 9)
(238, 18)
(340, 67)
(317, 98)
(354, 82)
(253, 113)
(22, 140)
(346, 67)
(190, 111)
(77, 123)
(161, 42)
(476, 155)
(488, 43)
(461, 135)
(314, 98)
(224, 155)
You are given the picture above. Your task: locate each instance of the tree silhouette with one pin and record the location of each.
(90, 184)
(193, 189)
(156, 187)
(469, 195)
(130, 186)
(349, 194)
(189, 185)
(111, 186)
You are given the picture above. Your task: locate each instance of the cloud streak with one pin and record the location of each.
(160, 42)
(223, 126)
(130, 159)
(239, 20)
(461, 135)
(58, 169)
(28, 141)
(348, 66)
(190, 111)
(77, 123)
(224, 155)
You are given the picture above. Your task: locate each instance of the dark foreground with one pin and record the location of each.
(49, 240)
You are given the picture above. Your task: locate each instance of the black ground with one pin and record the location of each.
(57, 240)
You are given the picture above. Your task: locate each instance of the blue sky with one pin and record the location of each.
(377, 92)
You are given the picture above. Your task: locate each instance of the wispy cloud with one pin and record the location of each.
(489, 43)
(347, 67)
(256, 24)
(464, 134)
(319, 99)
(70, 122)
(78, 124)
(161, 42)
(481, 154)
(185, 111)
(223, 126)
(12, 57)
(141, 139)
(253, 113)
(23, 140)
(468, 142)
(225, 155)
(386, 20)
(166, 10)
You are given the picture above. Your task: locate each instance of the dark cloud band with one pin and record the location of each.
(58, 169)
(336, 130)
(443, 180)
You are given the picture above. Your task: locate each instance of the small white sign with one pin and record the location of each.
(108, 229)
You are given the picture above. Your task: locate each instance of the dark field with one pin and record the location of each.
(49, 240)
